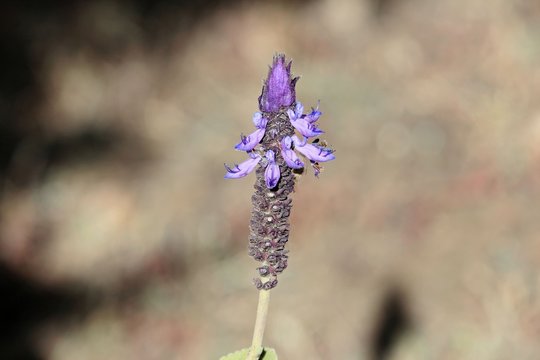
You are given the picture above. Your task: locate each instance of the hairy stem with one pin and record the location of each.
(260, 323)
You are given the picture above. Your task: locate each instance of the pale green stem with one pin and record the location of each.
(260, 323)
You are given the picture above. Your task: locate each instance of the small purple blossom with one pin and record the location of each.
(300, 123)
(243, 168)
(279, 88)
(289, 155)
(248, 143)
(272, 173)
(312, 152)
(314, 115)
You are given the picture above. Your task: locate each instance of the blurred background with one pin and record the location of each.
(120, 239)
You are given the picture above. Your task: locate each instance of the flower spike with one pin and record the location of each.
(281, 134)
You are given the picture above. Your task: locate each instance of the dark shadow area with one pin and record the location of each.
(28, 29)
(25, 305)
(393, 321)
(34, 157)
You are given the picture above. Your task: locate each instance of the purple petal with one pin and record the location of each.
(292, 114)
(314, 115)
(299, 109)
(247, 143)
(259, 121)
(289, 155)
(305, 128)
(279, 87)
(296, 141)
(271, 175)
(243, 168)
(286, 143)
(312, 152)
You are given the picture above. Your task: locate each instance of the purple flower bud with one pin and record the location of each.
(272, 173)
(297, 112)
(289, 155)
(279, 88)
(259, 121)
(243, 168)
(312, 152)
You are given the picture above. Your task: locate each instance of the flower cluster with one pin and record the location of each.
(305, 124)
(283, 131)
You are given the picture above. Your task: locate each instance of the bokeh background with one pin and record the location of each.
(119, 238)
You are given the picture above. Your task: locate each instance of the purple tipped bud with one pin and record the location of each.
(279, 88)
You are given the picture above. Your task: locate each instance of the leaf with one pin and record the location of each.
(267, 354)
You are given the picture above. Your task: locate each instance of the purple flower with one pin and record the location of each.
(312, 152)
(314, 115)
(300, 122)
(279, 88)
(247, 143)
(243, 168)
(272, 173)
(289, 155)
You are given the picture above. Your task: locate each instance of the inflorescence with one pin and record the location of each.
(282, 130)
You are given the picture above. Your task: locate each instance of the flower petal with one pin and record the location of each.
(272, 173)
(312, 152)
(243, 168)
(270, 156)
(299, 109)
(259, 121)
(305, 128)
(292, 115)
(247, 143)
(289, 155)
(314, 115)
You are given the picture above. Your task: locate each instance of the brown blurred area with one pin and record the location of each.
(120, 239)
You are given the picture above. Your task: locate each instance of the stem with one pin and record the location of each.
(260, 324)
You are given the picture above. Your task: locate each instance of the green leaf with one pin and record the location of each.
(267, 354)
